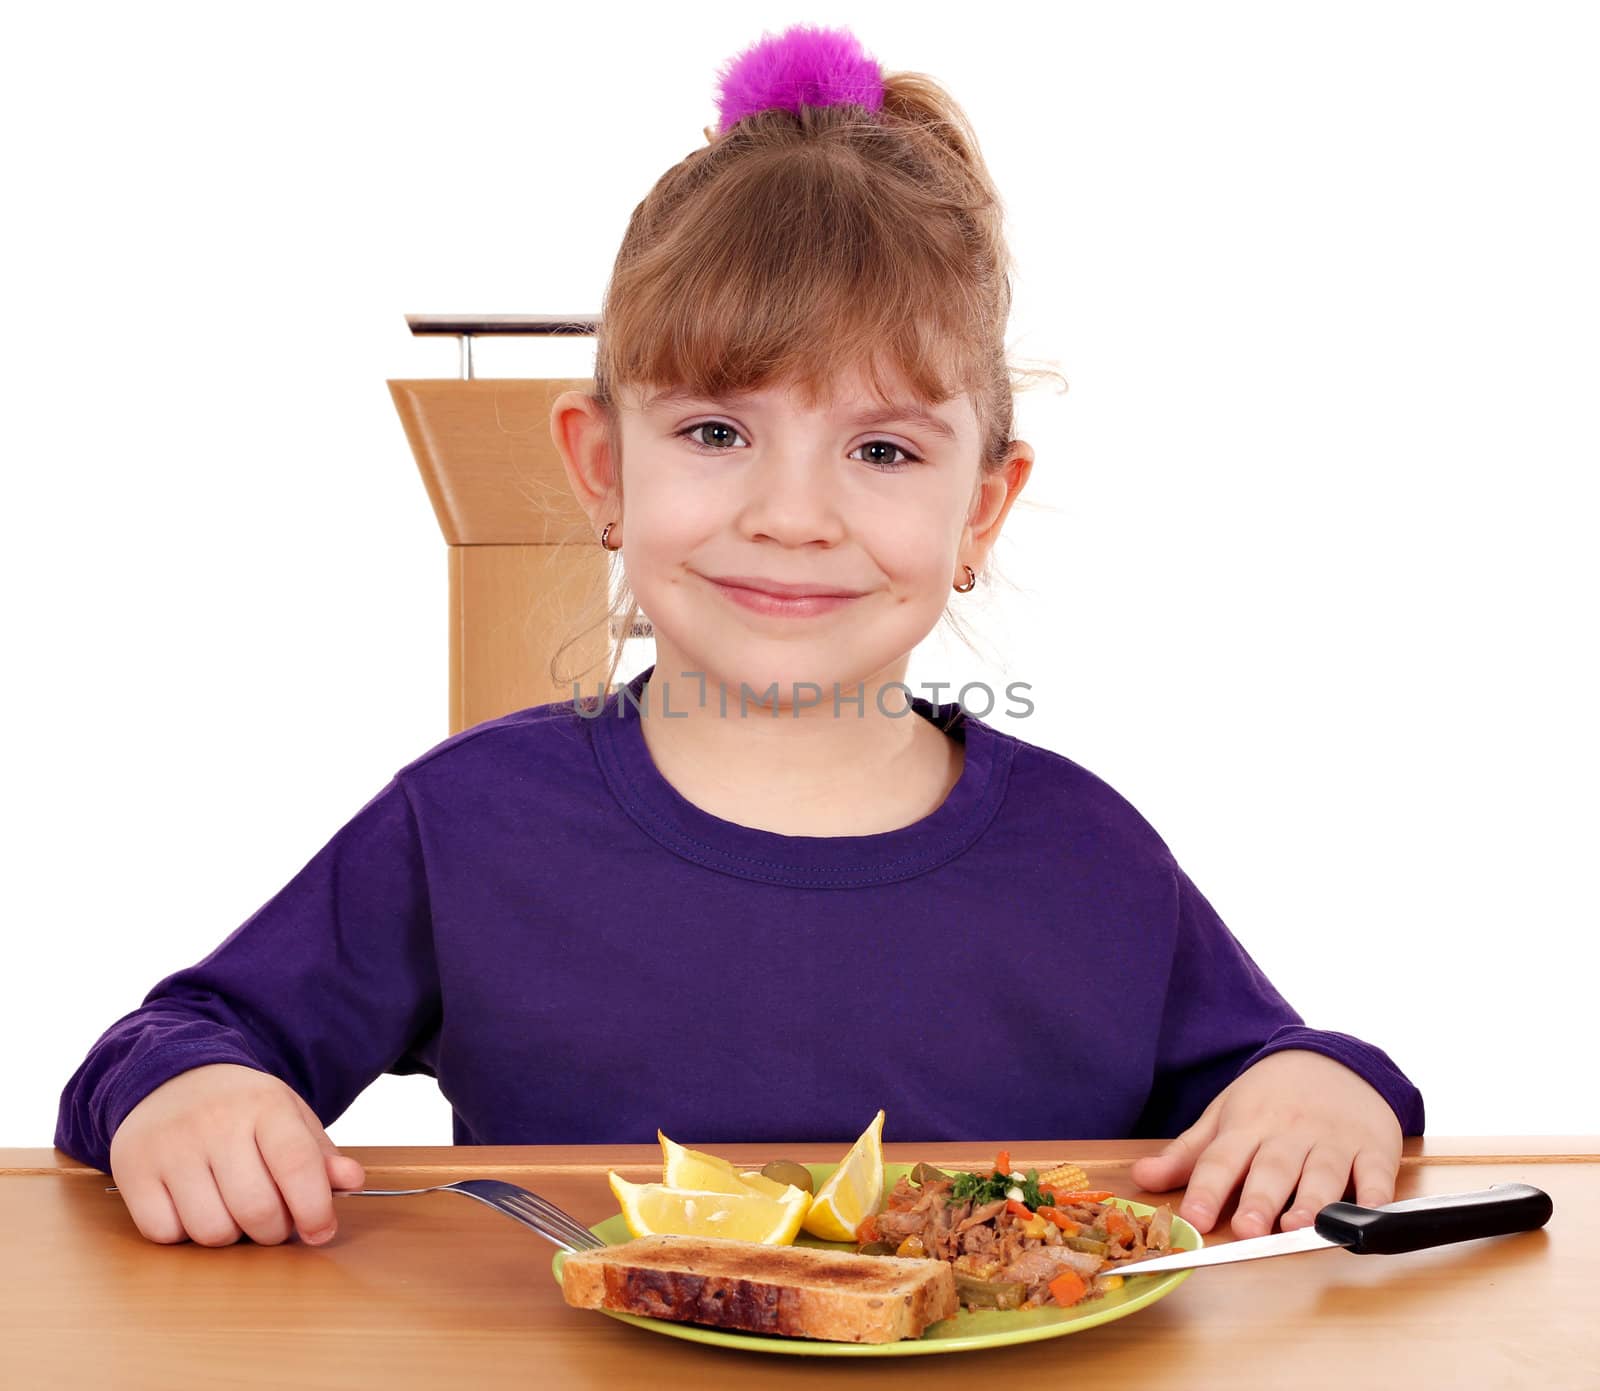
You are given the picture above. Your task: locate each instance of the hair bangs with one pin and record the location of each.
(799, 272)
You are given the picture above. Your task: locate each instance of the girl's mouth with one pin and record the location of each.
(780, 605)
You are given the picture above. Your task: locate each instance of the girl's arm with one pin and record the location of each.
(1295, 1125)
(1253, 1094)
(329, 984)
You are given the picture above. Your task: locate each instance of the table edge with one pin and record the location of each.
(1091, 1154)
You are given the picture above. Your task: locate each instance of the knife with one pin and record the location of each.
(1406, 1226)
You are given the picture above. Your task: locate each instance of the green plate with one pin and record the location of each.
(967, 1331)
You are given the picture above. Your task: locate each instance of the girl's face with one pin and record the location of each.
(875, 507)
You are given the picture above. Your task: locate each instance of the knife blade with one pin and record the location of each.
(1410, 1225)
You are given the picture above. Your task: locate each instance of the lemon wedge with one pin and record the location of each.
(655, 1209)
(770, 1186)
(682, 1167)
(853, 1191)
(686, 1168)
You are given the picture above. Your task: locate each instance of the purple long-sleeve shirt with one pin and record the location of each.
(530, 913)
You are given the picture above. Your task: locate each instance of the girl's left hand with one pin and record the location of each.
(1301, 1124)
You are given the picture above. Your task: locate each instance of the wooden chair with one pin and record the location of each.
(527, 573)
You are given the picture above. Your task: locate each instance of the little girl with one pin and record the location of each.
(763, 889)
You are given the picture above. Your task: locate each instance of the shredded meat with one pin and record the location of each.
(983, 1214)
(978, 1241)
(1160, 1237)
(990, 1243)
(939, 1238)
(1044, 1263)
(897, 1226)
(1010, 1243)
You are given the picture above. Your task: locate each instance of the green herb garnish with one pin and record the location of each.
(996, 1186)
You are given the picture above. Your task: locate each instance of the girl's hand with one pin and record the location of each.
(222, 1151)
(1300, 1124)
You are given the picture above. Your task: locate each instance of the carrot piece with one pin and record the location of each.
(1081, 1195)
(1061, 1220)
(1117, 1223)
(868, 1230)
(1002, 1162)
(1067, 1288)
(1017, 1209)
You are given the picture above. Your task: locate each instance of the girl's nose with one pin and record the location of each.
(793, 498)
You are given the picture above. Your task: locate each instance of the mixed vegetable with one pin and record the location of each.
(1015, 1240)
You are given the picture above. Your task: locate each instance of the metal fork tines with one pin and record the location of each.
(551, 1222)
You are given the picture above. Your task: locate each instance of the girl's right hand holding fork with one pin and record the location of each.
(224, 1151)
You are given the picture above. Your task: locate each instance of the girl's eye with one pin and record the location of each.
(889, 465)
(695, 435)
(691, 432)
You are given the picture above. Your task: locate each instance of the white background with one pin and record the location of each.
(1310, 577)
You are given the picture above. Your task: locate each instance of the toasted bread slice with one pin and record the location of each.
(796, 1291)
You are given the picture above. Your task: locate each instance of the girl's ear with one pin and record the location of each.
(578, 428)
(995, 494)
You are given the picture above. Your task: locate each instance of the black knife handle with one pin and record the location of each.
(1436, 1221)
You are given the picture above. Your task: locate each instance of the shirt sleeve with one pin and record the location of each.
(1222, 1015)
(332, 982)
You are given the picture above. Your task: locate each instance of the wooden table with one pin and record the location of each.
(437, 1291)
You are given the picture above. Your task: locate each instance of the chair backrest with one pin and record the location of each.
(525, 567)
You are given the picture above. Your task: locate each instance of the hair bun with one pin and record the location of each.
(805, 65)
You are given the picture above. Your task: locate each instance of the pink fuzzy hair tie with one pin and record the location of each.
(805, 65)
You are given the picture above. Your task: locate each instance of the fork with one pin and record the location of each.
(554, 1224)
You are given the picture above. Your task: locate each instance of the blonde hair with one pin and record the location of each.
(797, 246)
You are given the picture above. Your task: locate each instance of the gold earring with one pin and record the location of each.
(606, 533)
(966, 588)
